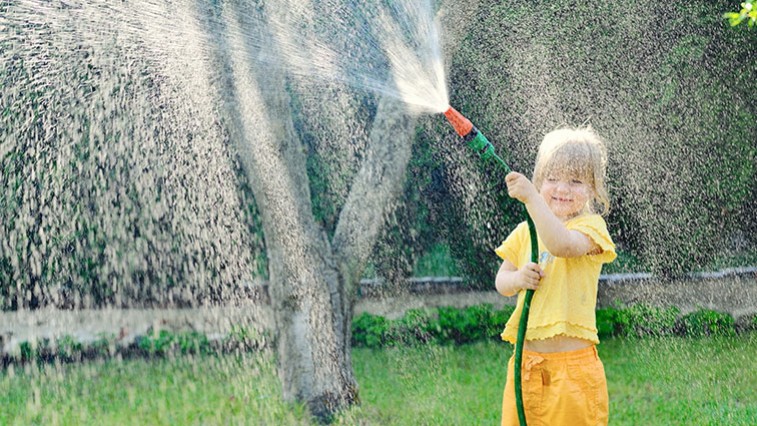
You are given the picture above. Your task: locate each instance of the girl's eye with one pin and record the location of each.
(576, 182)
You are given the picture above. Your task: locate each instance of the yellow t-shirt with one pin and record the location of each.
(566, 300)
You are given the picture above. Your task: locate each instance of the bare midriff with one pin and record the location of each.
(557, 344)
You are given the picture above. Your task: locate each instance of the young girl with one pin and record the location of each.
(563, 380)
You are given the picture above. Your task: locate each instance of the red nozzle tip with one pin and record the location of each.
(462, 125)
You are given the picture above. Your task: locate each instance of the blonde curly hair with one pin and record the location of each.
(578, 152)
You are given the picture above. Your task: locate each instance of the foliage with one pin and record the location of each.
(436, 262)
(660, 80)
(102, 177)
(62, 349)
(607, 324)
(706, 322)
(626, 262)
(440, 326)
(643, 320)
(246, 338)
(443, 325)
(474, 323)
(450, 325)
(369, 330)
(165, 342)
(748, 14)
(417, 326)
(67, 348)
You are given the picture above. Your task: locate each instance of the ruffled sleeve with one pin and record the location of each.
(512, 248)
(594, 227)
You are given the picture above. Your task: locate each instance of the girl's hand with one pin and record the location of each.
(510, 280)
(520, 187)
(529, 276)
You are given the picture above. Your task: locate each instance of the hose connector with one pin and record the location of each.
(472, 137)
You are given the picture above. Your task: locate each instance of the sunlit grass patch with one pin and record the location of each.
(184, 390)
(652, 381)
(670, 381)
(433, 384)
(686, 381)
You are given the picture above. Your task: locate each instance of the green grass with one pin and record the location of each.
(683, 381)
(671, 381)
(434, 385)
(182, 391)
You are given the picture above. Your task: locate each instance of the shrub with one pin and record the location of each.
(642, 320)
(471, 324)
(450, 325)
(460, 325)
(245, 338)
(417, 326)
(706, 322)
(369, 330)
(104, 345)
(27, 351)
(166, 342)
(607, 322)
(68, 348)
(445, 325)
(499, 319)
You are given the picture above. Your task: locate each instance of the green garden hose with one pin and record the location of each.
(478, 143)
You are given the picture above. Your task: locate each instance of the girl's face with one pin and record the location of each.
(566, 195)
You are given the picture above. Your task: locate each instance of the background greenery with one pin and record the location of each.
(663, 82)
(670, 85)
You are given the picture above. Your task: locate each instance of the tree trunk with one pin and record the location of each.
(313, 283)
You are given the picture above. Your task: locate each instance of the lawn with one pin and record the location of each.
(672, 381)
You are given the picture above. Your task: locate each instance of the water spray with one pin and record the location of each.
(478, 143)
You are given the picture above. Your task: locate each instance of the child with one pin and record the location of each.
(563, 380)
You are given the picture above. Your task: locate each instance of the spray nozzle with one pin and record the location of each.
(462, 125)
(473, 138)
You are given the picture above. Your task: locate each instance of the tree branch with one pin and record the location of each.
(375, 187)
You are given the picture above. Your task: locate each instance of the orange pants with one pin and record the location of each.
(563, 388)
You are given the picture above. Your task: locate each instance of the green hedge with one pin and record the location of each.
(444, 326)
(448, 325)
(159, 344)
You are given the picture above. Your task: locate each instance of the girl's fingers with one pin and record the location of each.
(532, 274)
(531, 280)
